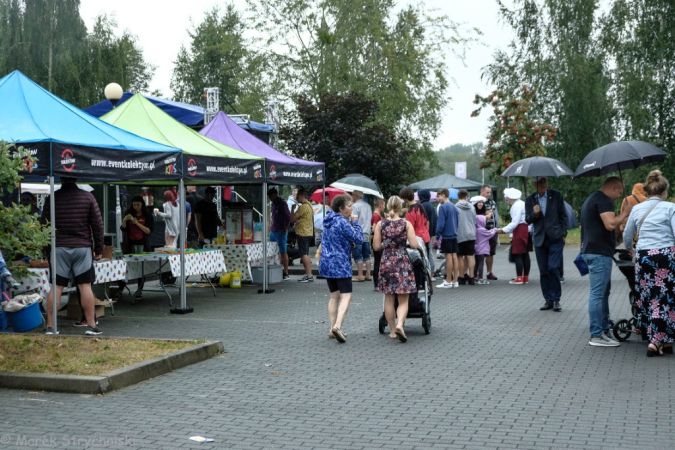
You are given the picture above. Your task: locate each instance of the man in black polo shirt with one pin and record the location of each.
(207, 217)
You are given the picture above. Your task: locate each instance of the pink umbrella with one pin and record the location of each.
(331, 193)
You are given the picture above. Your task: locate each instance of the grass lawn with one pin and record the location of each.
(63, 355)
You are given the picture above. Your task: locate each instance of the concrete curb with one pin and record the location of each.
(117, 379)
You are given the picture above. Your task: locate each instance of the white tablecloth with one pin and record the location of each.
(201, 262)
(242, 256)
(106, 271)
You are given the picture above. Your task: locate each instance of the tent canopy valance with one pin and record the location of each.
(69, 142)
(280, 168)
(204, 159)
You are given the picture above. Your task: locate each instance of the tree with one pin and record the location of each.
(20, 232)
(342, 46)
(341, 130)
(471, 154)
(640, 38)
(514, 135)
(48, 41)
(221, 56)
(558, 52)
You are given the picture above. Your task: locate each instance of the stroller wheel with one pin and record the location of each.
(426, 323)
(382, 324)
(622, 330)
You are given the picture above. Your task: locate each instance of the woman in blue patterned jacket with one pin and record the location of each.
(341, 231)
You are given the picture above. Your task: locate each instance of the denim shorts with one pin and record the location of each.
(280, 237)
(361, 252)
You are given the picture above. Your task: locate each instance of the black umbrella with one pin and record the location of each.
(537, 166)
(572, 222)
(617, 156)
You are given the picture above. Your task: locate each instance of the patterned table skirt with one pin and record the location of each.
(242, 256)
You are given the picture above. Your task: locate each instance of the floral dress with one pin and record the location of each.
(396, 272)
(655, 283)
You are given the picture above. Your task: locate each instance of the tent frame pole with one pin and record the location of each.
(52, 273)
(265, 289)
(182, 239)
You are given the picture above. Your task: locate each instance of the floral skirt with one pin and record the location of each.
(396, 273)
(655, 287)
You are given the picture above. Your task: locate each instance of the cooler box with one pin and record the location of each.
(275, 274)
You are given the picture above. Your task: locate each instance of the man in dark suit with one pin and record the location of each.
(545, 210)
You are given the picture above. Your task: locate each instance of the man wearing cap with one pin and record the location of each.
(545, 210)
(520, 231)
(281, 219)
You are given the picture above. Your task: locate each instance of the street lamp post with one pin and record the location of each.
(113, 92)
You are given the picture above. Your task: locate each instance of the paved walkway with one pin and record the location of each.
(495, 372)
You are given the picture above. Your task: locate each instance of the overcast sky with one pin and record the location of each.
(161, 28)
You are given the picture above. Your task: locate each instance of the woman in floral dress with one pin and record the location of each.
(654, 223)
(396, 277)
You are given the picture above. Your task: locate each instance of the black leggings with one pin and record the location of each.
(522, 264)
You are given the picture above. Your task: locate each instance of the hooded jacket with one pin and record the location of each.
(448, 216)
(483, 236)
(425, 199)
(337, 241)
(466, 230)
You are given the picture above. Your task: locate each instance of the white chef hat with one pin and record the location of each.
(478, 198)
(512, 193)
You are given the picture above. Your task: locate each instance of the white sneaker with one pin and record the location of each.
(602, 341)
(455, 284)
(444, 285)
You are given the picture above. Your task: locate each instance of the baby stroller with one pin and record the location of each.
(418, 302)
(625, 327)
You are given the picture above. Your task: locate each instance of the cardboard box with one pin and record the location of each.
(74, 312)
(275, 274)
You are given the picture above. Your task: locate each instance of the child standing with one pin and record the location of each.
(483, 237)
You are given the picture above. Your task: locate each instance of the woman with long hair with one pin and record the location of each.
(341, 231)
(653, 221)
(396, 277)
(137, 226)
(171, 217)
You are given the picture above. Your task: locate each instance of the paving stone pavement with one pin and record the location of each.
(495, 372)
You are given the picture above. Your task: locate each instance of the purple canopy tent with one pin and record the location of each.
(281, 168)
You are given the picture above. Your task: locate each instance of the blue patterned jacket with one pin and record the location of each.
(337, 241)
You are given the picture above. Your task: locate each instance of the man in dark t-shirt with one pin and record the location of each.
(207, 217)
(598, 241)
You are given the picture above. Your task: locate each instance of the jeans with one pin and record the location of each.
(549, 255)
(432, 262)
(599, 274)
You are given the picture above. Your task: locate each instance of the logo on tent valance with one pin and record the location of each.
(68, 160)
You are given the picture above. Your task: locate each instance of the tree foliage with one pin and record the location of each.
(221, 55)
(20, 232)
(514, 134)
(342, 131)
(341, 46)
(472, 154)
(48, 41)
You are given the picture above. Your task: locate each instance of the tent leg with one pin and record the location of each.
(52, 273)
(182, 239)
(265, 232)
(118, 219)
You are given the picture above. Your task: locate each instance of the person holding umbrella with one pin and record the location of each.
(545, 210)
(598, 242)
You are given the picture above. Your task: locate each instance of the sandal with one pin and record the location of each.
(401, 335)
(358, 279)
(654, 350)
(368, 278)
(339, 335)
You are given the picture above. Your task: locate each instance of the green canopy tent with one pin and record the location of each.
(204, 160)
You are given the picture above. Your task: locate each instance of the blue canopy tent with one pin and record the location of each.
(190, 115)
(68, 142)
